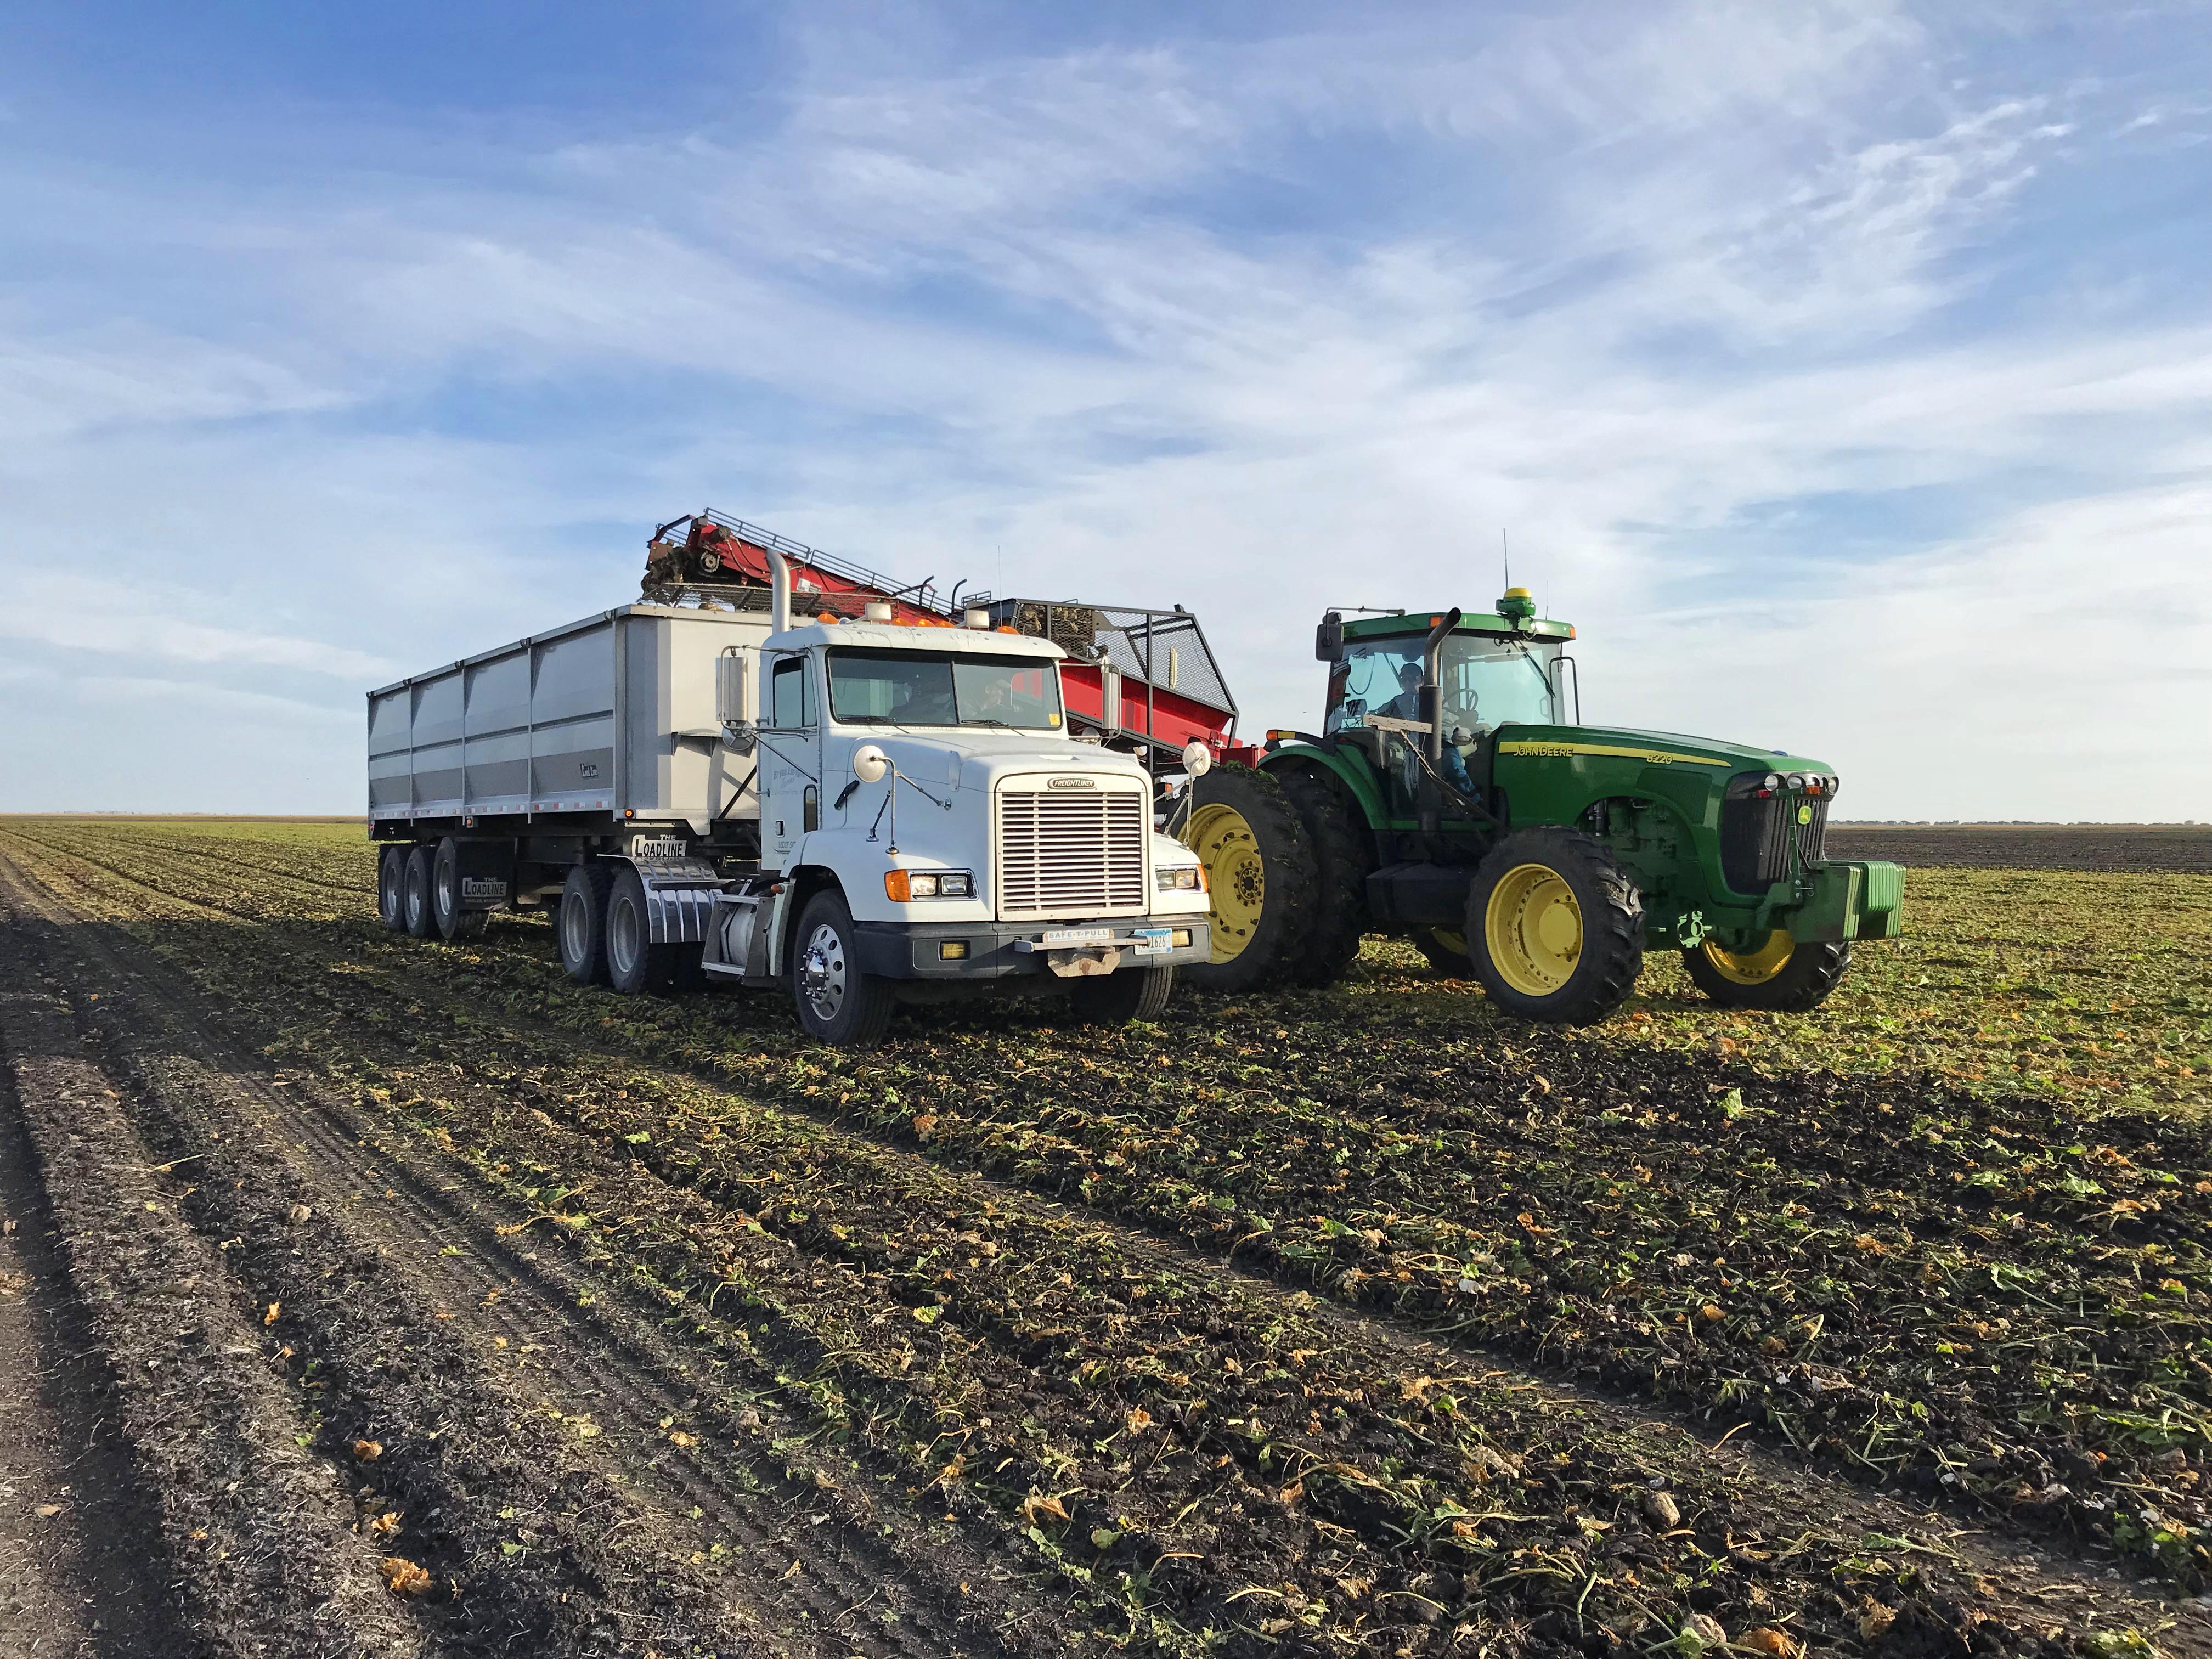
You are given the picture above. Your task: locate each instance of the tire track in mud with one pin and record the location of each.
(645, 1399)
(2034, 1579)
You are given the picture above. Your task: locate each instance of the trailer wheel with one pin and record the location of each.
(391, 886)
(1557, 927)
(421, 919)
(1117, 998)
(1446, 950)
(1344, 853)
(1261, 878)
(582, 923)
(455, 921)
(1775, 974)
(635, 965)
(838, 1003)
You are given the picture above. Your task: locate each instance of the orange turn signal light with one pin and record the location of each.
(898, 887)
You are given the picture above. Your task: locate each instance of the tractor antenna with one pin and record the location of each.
(1505, 549)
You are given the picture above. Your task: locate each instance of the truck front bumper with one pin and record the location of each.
(1851, 901)
(1006, 949)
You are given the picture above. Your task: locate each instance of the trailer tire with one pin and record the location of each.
(1260, 875)
(1117, 998)
(1344, 854)
(635, 965)
(421, 919)
(455, 921)
(1792, 982)
(581, 923)
(391, 886)
(1556, 928)
(838, 1003)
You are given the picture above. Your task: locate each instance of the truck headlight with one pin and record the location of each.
(903, 886)
(1177, 879)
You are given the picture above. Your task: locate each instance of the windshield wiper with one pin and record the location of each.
(987, 720)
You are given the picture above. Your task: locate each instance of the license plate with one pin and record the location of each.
(1153, 941)
(657, 848)
(1057, 937)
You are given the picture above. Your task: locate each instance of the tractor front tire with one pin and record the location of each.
(1124, 994)
(1446, 951)
(1344, 853)
(1262, 880)
(1777, 976)
(1556, 926)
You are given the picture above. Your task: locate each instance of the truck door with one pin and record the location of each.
(790, 757)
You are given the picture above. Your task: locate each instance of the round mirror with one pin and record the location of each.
(1197, 758)
(870, 764)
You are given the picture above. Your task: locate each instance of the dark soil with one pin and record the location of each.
(2182, 847)
(1117, 1428)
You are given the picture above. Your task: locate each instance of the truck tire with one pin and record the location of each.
(635, 965)
(1556, 928)
(1128, 994)
(1261, 877)
(455, 921)
(391, 886)
(421, 918)
(1779, 975)
(1344, 853)
(838, 1003)
(1445, 950)
(582, 923)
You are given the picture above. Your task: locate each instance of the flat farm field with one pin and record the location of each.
(443, 1306)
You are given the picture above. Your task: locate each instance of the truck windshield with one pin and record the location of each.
(1481, 682)
(916, 688)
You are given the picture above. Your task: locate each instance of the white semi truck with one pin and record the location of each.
(860, 809)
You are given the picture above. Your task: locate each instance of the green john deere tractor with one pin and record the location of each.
(1451, 797)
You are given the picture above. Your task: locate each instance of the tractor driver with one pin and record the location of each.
(1406, 705)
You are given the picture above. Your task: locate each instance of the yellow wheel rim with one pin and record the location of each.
(1236, 876)
(1532, 930)
(1752, 967)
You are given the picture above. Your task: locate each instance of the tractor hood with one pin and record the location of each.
(1654, 747)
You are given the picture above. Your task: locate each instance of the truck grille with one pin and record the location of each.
(1071, 852)
(1755, 837)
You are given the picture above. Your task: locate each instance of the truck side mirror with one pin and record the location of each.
(1329, 638)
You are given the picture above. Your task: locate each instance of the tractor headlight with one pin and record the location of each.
(1773, 781)
(1834, 783)
(1796, 780)
(1176, 878)
(903, 886)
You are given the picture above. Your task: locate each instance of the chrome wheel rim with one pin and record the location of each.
(822, 973)
(572, 929)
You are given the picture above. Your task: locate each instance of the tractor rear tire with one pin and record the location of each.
(1260, 876)
(1446, 951)
(1344, 853)
(1780, 976)
(1124, 994)
(581, 924)
(1556, 925)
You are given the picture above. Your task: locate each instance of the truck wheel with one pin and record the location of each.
(1778, 974)
(1344, 852)
(416, 908)
(582, 923)
(838, 1004)
(1446, 951)
(1261, 877)
(1128, 994)
(454, 920)
(391, 886)
(1557, 927)
(634, 966)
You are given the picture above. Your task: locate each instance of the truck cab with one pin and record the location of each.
(930, 830)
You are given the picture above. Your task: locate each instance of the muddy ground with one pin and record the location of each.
(367, 1297)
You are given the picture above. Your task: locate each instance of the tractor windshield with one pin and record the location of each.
(1482, 682)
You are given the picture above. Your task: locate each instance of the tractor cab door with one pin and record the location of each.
(1380, 677)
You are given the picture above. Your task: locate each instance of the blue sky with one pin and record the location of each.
(1844, 373)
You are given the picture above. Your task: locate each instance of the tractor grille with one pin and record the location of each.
(1072, 852)
(1755, 837)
